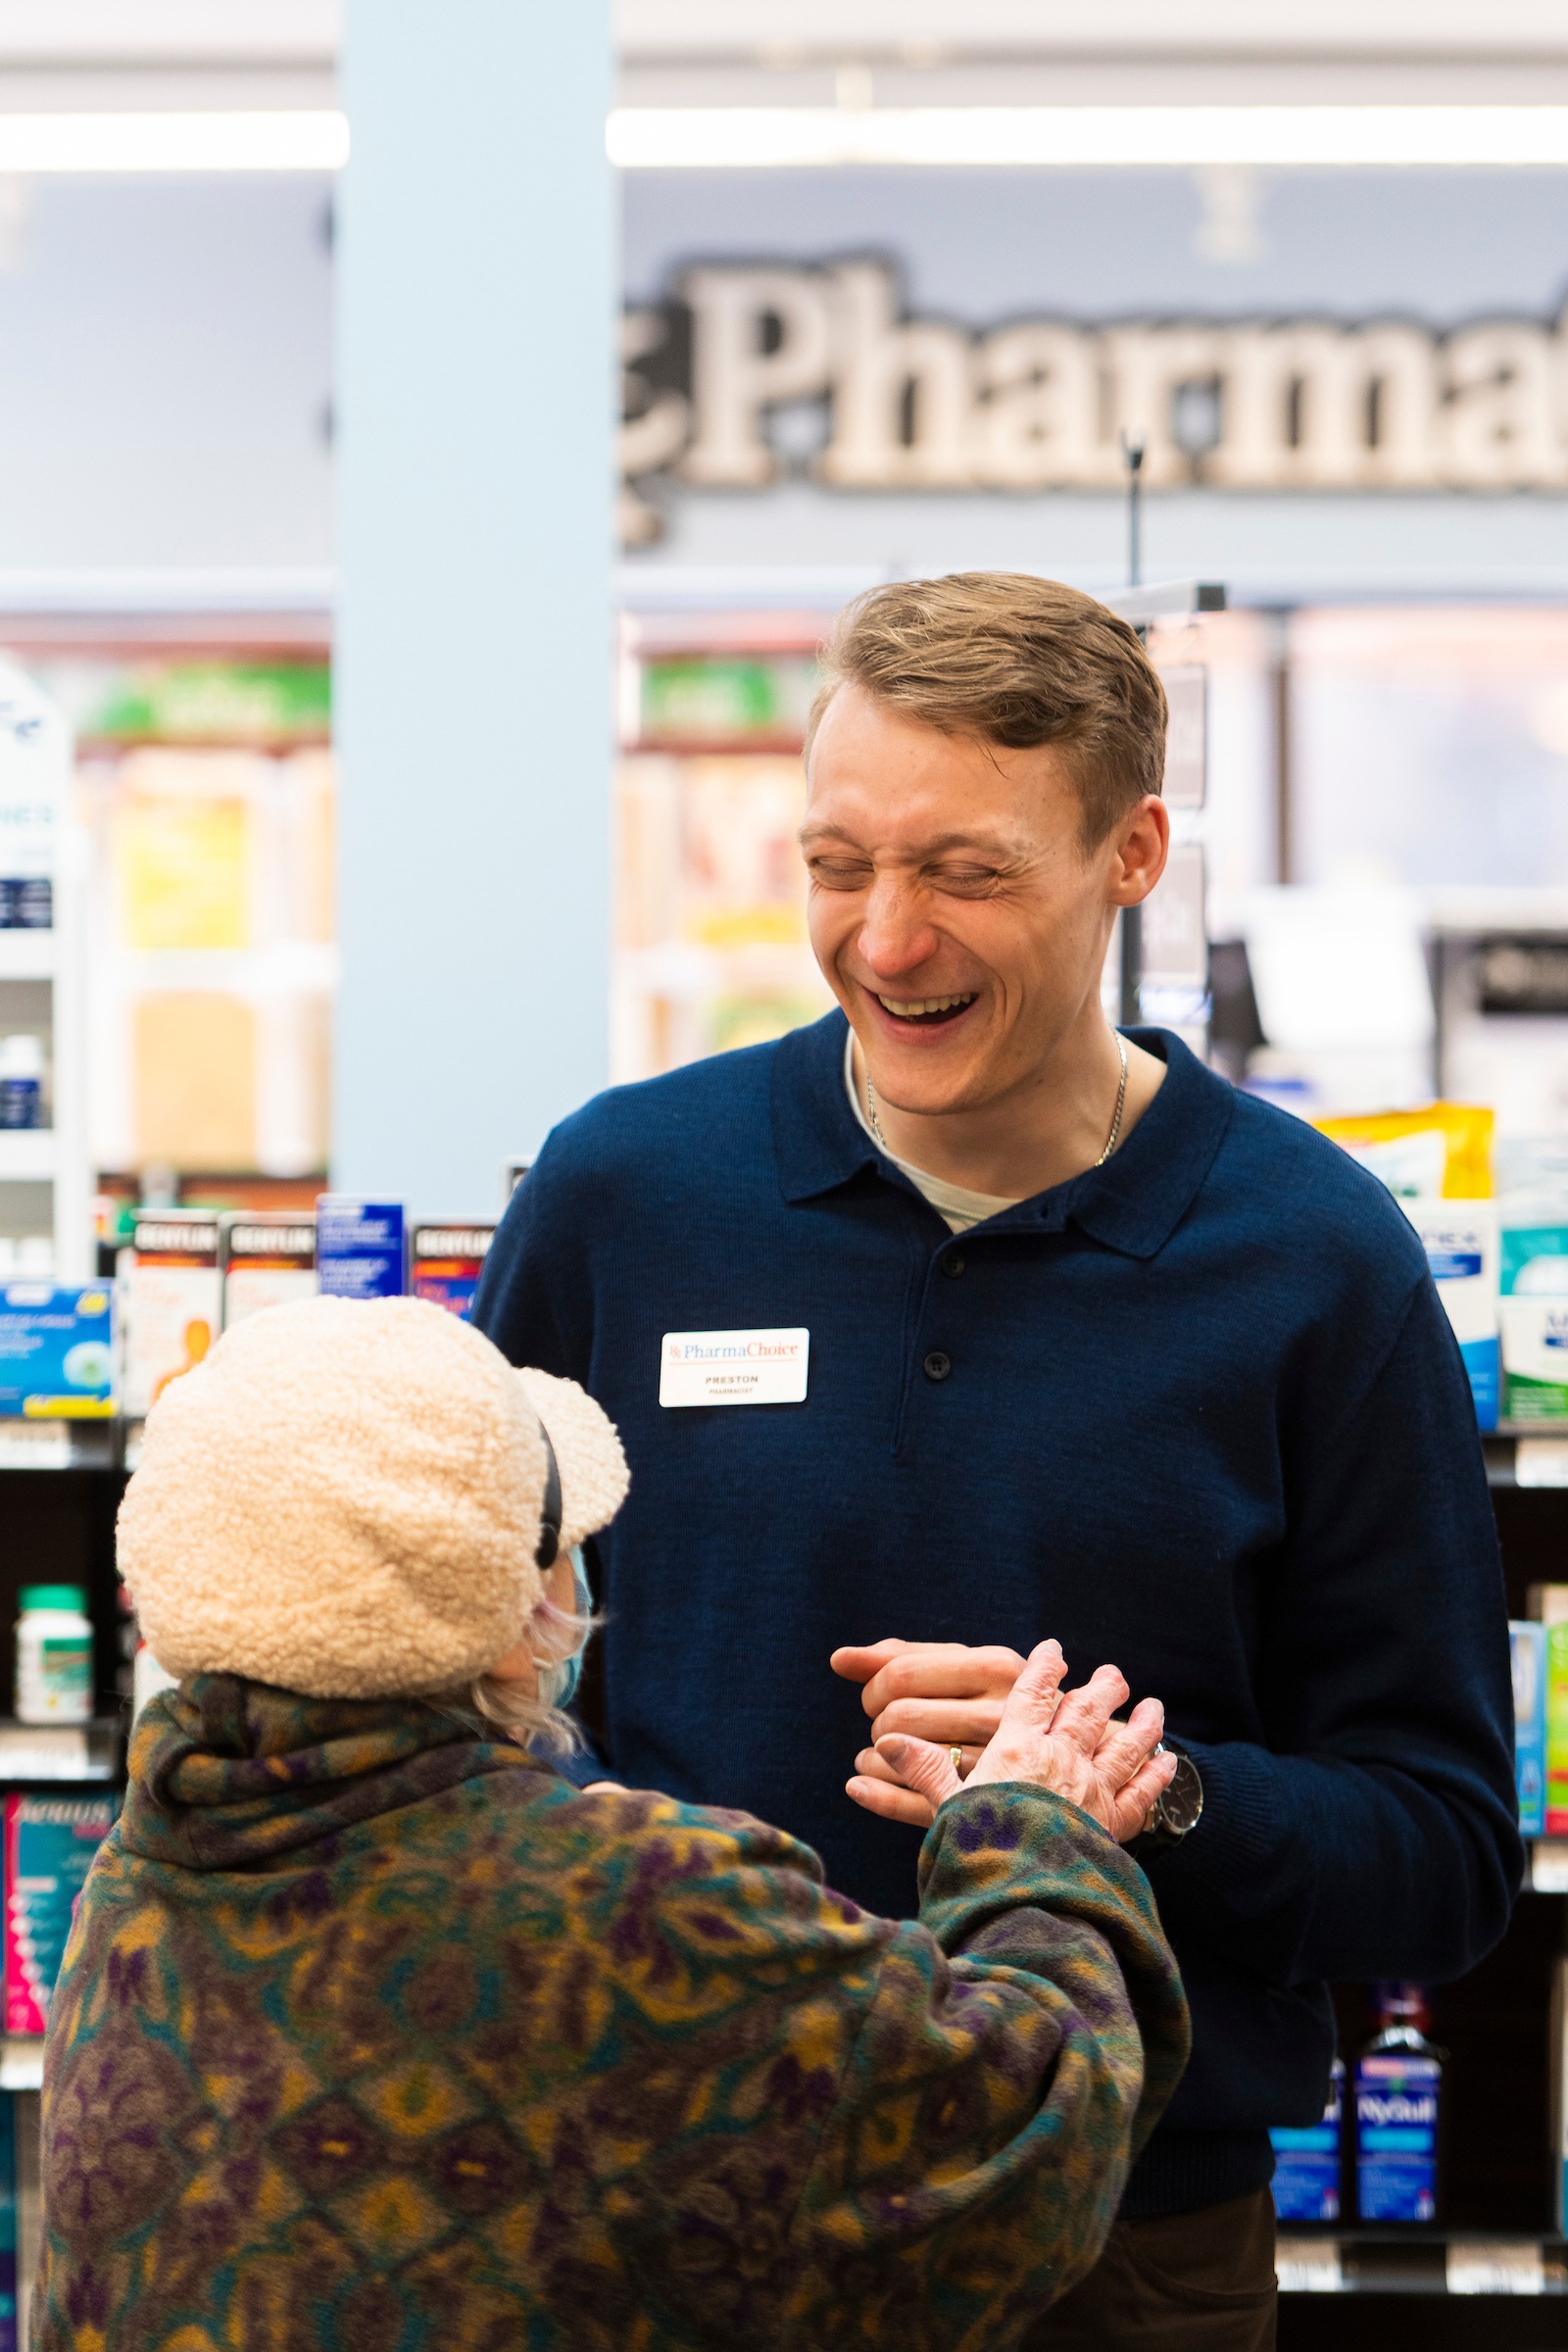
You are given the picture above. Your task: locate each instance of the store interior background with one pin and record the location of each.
(1389, 691)
(411, 801)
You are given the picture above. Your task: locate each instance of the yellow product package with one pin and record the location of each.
(1440, 1153)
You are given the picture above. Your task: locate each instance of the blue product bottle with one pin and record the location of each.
(1306, 2161)
(1527, 1645)
(1399, 2107)
(21, 1082)
(8, 2223)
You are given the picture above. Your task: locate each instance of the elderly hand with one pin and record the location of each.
(1069, 1745)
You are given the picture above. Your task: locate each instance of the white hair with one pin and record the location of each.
(556, 1632)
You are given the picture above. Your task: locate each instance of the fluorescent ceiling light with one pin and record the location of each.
(318, 141)
(692, 138)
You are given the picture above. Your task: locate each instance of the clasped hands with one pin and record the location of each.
(1011, 1721)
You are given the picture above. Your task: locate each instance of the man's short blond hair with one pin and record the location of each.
(1014, 660)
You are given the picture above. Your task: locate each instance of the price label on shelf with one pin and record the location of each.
(1308, 2266)
(1548, 1866)
(34, 1445)
(21, 2063)
(1495, 2267)
(43, 1751)
(1541, 1462)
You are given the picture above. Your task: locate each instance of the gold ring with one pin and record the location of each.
(955, 1758)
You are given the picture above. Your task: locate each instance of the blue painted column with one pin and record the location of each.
(476, 302)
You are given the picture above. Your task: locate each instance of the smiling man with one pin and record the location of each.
(966, 1320)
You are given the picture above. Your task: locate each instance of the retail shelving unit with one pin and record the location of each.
(43, 1171)
(60, 1487)
(1494, 2278)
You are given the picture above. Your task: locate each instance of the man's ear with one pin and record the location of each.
(1141, 845)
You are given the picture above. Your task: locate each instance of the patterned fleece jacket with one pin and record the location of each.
(373, 2035)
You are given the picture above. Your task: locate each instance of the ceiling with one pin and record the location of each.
(156, 53)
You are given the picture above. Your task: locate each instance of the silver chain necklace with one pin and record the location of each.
(1111, 1139)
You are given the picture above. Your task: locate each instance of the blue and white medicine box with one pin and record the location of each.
(1306, 2161)
(1461, 1240)
(1527, 1646)
(361, 1248)
(57, 1356)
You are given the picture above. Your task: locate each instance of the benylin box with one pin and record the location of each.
(268, 1260)
(448, 1261)
(57, 1358)
(173, 1297)
(50, 1844)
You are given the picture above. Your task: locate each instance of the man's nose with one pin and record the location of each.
(895, 935)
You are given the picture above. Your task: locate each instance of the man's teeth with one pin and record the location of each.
(909, 1008)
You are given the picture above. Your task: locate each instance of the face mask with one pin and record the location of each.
(558, 1680)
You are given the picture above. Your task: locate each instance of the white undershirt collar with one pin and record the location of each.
(954, 1203)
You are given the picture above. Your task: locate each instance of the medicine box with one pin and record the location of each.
(448, 1261)
(174, 1299)
(267, 1260)
(1527, 1645)
(57, 1355)
(1307, 2161)
(359, 1247)
(1549, 1603)
(1533, 1320)
(49, 1847)
(1461, 1240)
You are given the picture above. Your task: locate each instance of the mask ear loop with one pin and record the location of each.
(550, 1509)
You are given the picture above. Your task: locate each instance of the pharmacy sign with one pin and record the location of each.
(752, 374)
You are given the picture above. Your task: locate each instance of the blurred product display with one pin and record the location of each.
(203, 801)
(710, 942)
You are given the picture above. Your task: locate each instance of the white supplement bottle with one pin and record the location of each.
(54, 1655)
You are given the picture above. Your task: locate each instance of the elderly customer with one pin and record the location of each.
(376, 2034)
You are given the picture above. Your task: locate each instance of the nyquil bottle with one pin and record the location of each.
(1398, 2112)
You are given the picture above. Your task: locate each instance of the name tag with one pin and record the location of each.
(733, 1367)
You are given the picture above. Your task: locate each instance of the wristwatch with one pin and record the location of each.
(1175, 1810)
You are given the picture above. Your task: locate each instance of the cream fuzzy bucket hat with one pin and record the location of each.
(344, 1497)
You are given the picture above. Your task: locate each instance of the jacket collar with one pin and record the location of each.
(1134, 1203)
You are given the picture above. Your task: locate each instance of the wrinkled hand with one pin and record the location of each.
(945, 1692)
(1069, 1745)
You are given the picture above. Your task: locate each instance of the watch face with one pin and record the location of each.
(1183, 1802)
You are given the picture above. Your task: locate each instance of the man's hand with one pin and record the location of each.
(1069, 1745)
(944, 1691)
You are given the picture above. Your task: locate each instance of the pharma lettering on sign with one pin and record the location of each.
(921, 404)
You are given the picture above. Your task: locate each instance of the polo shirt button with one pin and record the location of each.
(937, 1365)
(954, 1266)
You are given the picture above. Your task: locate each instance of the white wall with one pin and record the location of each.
(165, 375)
